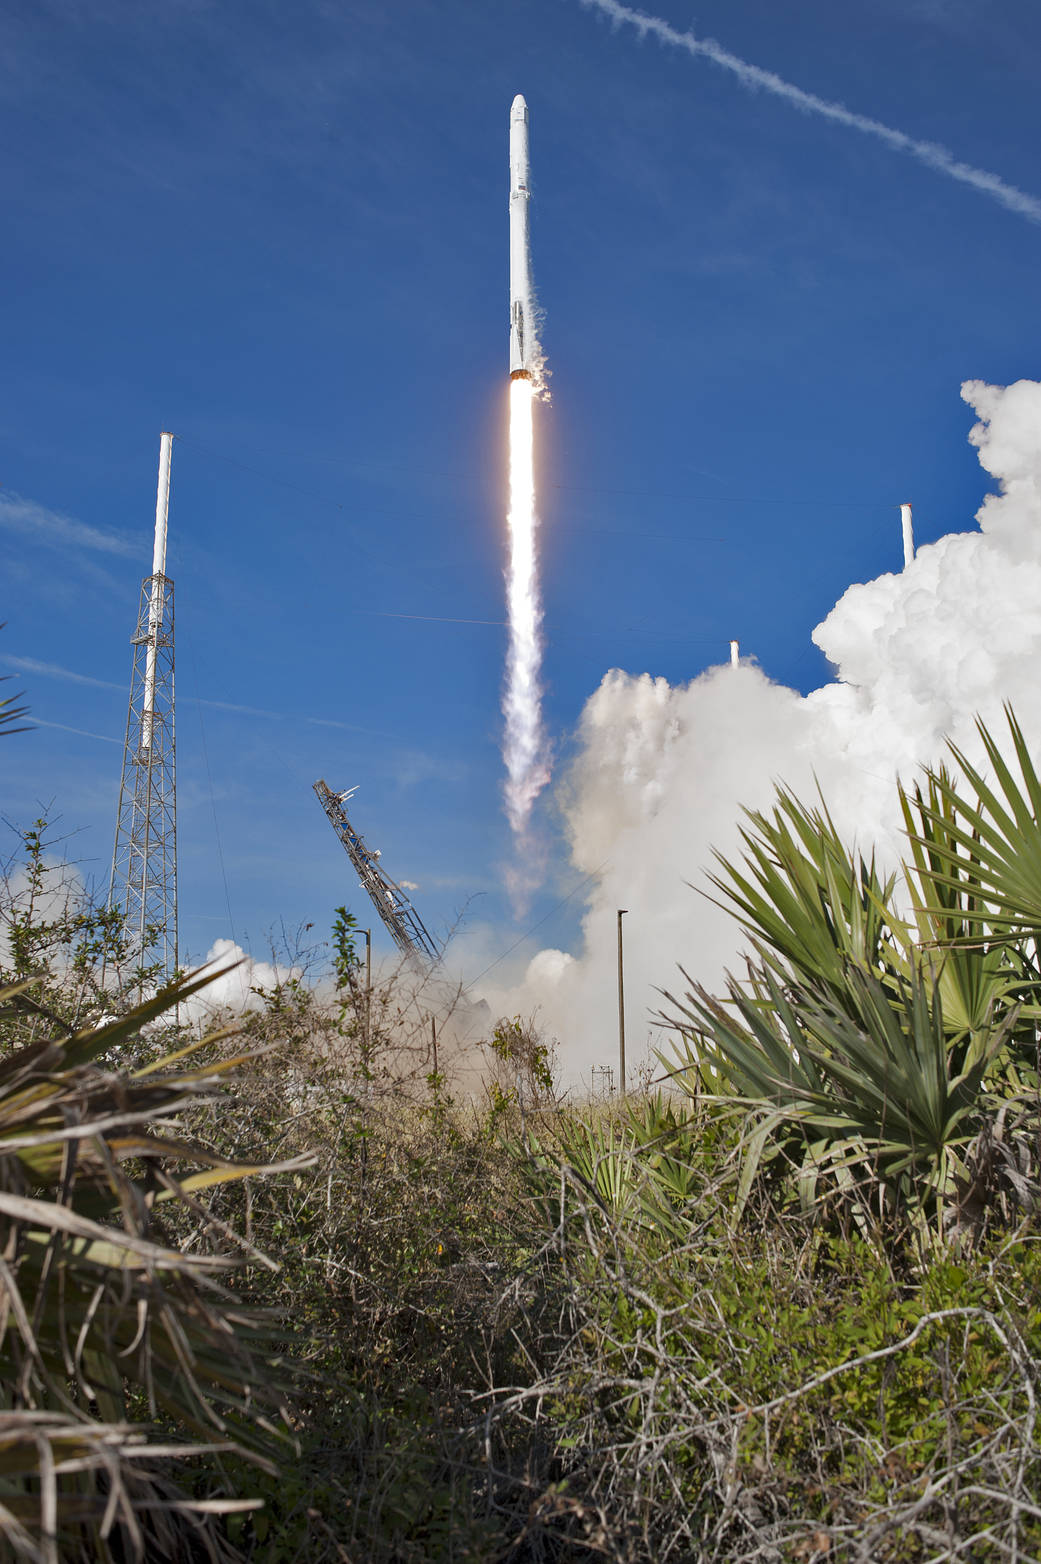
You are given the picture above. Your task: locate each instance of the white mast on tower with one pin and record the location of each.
(143, 882)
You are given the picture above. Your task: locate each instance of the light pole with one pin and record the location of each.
(368, 994)
(621, 1008)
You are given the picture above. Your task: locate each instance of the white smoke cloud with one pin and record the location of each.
(239, 986)
(58, 895)
(662, 770)
(753, 78)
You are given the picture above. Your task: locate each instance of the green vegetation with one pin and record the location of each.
(284, 1295)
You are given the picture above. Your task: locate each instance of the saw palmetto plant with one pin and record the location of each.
(123, 1351)
(885, 1055)
(10, 713)
(867, 1098)
(641, 1164)
(983, 841)
(809, 902)
(983, 972)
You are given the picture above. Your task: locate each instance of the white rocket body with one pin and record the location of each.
(522, 334)
(157, 592)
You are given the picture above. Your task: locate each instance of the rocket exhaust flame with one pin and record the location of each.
(524, 744)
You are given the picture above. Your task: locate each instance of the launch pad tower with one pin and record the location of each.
(143, 882)
(389, 899)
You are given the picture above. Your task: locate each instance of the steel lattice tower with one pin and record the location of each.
(389, 899)
(143, 884)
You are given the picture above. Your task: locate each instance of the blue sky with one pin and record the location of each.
(281, 233)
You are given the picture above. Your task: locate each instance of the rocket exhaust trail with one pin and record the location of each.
(524, 744)
(527, 771)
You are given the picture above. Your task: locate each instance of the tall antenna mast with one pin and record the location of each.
(143, 883)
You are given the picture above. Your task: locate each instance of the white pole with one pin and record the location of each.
(155, 600)
(735, 653)
(905, 521)
(621, 1007)
(162, 504)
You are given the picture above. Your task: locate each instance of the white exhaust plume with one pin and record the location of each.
(908, 531)
(735, 654)
(238, 988)
(663, 771)
(524, 745)
(754, 78)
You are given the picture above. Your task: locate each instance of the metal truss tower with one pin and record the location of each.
(143, 884)
(389, 899)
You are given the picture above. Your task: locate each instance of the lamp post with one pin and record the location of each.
(368, 994)
(621, 1008)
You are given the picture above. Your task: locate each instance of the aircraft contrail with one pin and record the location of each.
(752, 77)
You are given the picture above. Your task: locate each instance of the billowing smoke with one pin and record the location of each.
(239, 983)
(662, 771)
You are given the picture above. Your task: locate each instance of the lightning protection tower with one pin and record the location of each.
(389, 899)
(143, 884)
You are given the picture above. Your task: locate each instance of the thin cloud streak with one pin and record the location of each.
(30, 665)
(934, 156)
(53, 671)
(83, 733)
(51, 527)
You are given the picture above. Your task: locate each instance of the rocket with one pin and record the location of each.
(522, 323)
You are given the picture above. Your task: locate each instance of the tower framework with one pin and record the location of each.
(389, 899)
(143, 882)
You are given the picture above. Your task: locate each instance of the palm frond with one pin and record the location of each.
(992, 844)
(105, 1316)
(807, 898)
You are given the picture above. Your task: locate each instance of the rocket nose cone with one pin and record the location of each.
(519, 109)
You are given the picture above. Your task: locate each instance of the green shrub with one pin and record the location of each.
(737, 1395)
